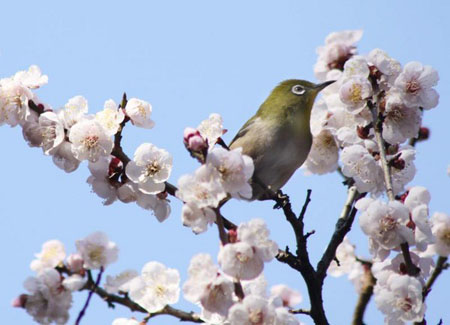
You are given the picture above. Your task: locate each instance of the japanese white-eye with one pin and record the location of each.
(278, 137)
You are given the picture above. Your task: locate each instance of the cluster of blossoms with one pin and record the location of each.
(49, 296)
(223, 174)
(374, 93)
(70, 135)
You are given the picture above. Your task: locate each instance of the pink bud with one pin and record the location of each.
(193, 140)
(20, 301)
(75, 262)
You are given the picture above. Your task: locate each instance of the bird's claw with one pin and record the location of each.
(282, 200)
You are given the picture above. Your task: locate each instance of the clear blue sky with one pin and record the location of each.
(191, 58)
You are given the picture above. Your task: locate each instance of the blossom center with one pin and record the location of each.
(90, 141)
(255, 317)
(160, 290)
(387, 224)
(152, 169)
(96, 254)
(142, 111)
(405, 304)
(412, 87)
(356, 93)
(242, 257)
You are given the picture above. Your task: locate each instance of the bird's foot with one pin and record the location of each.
(281, 199)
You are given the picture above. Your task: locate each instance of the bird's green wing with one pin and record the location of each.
(244, 129)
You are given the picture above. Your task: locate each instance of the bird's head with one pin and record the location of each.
(291, 97)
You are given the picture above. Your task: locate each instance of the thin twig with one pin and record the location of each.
(300, 311)
(441, 265)
(364, 297)
(91, 292)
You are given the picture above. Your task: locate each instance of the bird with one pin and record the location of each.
(278, 137)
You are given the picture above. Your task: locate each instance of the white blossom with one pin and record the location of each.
(207, 286)
(399, 297)
(416, 83)
(338, 48)
(386, 224)
(150, 168)
(48, 302)
(401, 122)
(97, 250)
(51, 255)
(239, 260)
(125, 321)
(284, 317)
(323, 156)
(345, 254)
(441, 230)
(52, 132)
(252, 310)
(14, 99)
(110, 117)
(156, 287)
(31, 78)
(160, 207)
(354, 93)
(204, 188)
(120, 282)
(235, 170)
(90, 140)
(358, 163)
(389, 67)
(289, 297)
(196, 218)
(139, 112)
(128, 192)
(357, 66)
(211, 129)
(405, 172)
(64, 158)
(31, 131)
(256, 234)
(75, 262)
(74, 111)
(74, 282)
(100, 181)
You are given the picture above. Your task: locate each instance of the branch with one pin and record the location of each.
(125, 301)
(343, 226)
(364, 297)
(91, 292)
(441, 265)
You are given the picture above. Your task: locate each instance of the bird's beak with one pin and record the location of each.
(321, 86)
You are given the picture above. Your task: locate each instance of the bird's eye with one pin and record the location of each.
(298, 90)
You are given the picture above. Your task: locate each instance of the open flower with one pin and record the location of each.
(97, 250)
(139, 112)
(150, 168)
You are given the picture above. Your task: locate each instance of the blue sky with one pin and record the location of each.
(189, 59)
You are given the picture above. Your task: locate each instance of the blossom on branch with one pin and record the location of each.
(97, 251)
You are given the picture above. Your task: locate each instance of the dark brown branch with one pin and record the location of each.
(343, 226)
(411, 269)
(300, 311)
(125, 301)
(364, 297)
(91, 292)
(441, 265)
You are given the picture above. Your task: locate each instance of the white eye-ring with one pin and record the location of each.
(298, 90)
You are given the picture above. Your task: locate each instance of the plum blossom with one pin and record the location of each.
(31, 132)
(74, 111)
(48, 301)
(193, 140)
(90, 140)
(403, 168)
(338, 48)
(139, 112)
(356, 66)
(252, 310)
(401, 122)
(211, 129)
(238, 260)
(354, 93)
(235, 170)
(441, 231)
(288, 297)
(120, 282)
(51, 255)
(14, 99)
(204, 188)
(74, 282)
(196, 218)
(207, 286)
(64, 158)
(323, 156)
(386, 224)
(52, 131)
(159, 206)
(110, 117)
(75, 262)
(345, 254)
(150, 168)
(100, 180)
(415, 84)
(31, 78)
(387, 66)
(399, 297)
(256, 234)
(97, 251)
(358, 163)
(284, 317)
(156, 287)
(125, 321)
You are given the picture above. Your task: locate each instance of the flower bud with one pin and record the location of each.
(75, 262)
(20, 301)
(193, 140)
